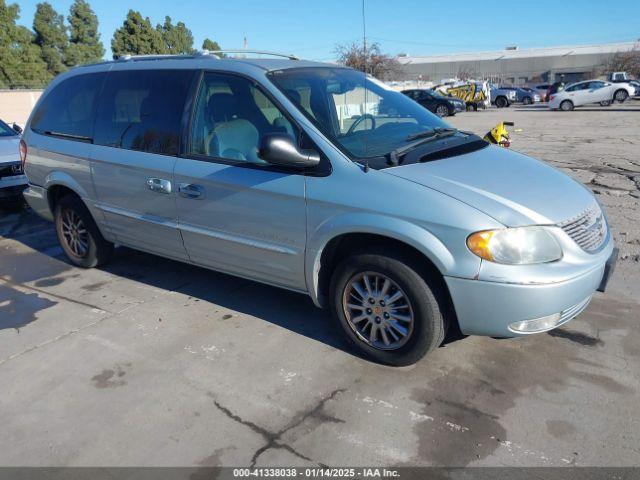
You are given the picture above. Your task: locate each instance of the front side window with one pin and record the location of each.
(362, 115)
(68, 109)
(596, 85)
(142, 110)
(231, 116)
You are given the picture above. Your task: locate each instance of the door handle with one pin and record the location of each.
(159, 185)
(189, 190)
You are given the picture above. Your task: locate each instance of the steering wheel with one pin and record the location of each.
(361, 119)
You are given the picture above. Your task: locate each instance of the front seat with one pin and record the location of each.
(231, 137)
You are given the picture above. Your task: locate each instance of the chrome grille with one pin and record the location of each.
(588, 229)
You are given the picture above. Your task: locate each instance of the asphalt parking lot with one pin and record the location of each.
(152, 362)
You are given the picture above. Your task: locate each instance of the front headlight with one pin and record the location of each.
(516, 246)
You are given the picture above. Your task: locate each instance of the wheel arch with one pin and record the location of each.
(621, 89)
(59, 184)
(340, 246)
(335, 241)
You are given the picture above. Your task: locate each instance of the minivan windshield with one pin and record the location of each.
(363, 116)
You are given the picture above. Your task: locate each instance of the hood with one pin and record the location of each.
(514, 189)
(9, 149)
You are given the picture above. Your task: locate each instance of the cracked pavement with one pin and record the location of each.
(149, 362)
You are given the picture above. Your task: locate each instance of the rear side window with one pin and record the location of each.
(68, 109)
(142, 109)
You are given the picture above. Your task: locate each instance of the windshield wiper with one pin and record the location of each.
(420, 138)
(438, 131)
(68, 135)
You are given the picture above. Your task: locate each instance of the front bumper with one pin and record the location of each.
(12, 186)
(488, 308)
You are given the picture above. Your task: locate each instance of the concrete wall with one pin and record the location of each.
(16, 105)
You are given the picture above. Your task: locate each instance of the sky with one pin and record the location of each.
(312, 29)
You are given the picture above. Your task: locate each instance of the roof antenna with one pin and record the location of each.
(364, 51)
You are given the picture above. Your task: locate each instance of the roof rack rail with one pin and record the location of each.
(219, 53)
(128, 57)
(213, 53)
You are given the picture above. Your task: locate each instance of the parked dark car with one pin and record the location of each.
(436, 103)
(527, 95)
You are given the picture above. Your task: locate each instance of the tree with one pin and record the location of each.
(84, 40)
(210, 45)
(51, 37)
(369, 59)
(177, 38)
(21, 64)
(137, 37)
(627, 61)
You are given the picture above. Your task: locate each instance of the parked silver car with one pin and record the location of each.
(12, 178)
(317, 179)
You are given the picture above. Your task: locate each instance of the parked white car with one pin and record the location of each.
(590, 91)
(12, 178)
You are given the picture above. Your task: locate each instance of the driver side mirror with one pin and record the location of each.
(17, 128)
(279, 149)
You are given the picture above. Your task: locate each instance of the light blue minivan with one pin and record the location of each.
(321, 180)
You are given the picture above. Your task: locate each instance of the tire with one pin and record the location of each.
(621, 95)
(422, 294)
(527, 101)
(73, 220)
(442, 110)
(606, 103)
(566, 105)
(501, 102)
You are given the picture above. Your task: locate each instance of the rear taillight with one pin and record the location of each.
(23, 153)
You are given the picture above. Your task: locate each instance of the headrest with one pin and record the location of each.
(222, 107)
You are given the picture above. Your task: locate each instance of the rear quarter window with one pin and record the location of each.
(142, 110)
(68, 109)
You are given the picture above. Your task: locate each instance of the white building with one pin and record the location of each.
(515, 66)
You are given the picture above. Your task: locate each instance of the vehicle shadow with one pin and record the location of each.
(290, 310)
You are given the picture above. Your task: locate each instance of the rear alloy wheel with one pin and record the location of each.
(78, 234)
(620, 95)
(606, 103)
(442, 110)
(566, 106)
(501, 102)
(390, 312)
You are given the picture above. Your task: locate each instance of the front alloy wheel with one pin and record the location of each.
(378, 310)
(389, 305)
(442, 111)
